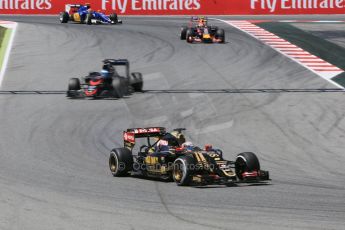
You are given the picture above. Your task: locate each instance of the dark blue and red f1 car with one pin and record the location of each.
(85, 15)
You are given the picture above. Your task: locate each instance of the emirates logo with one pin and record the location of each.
(152, 5)
(273, 5)
(25, 4)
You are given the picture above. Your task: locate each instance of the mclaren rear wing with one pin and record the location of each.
(118, 62)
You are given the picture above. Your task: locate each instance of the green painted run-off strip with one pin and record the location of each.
(4, 40)
(2, 33)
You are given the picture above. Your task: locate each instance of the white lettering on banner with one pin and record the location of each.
(123, 6)
(115, 5)
(166, 5)
(25, 4)
(340, 3)
(151, 5)
(272, 5)
(134, 5)
(197, 5)
(264, 4)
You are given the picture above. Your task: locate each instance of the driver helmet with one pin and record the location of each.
(162, 145)
(171, 140)
(201, 22)
(179, 136)
(88, 5)
(105, 73)
(189, 146)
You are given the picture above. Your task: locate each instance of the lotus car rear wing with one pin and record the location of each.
(130, 135)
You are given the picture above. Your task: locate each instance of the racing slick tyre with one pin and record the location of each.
(113, 18)
(183, 33)
(139, 83)
(74, 84)
(213, 29)
(118, 87)
(189, 36)
(88, 19)
(246, 162)
(73, 88)
(120, 161)
(138, 87)
(183, 169)
(220, 34)
(64, 16)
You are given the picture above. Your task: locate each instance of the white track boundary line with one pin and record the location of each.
(279, 51)
(8, 50)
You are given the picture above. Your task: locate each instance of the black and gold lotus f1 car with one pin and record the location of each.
(164, 156)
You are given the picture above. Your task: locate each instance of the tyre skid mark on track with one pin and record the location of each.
(185, 91)
(166, 207)
(289, 50)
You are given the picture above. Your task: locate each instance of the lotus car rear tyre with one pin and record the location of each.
(120, 162)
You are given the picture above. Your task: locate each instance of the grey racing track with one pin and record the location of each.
(54, 152)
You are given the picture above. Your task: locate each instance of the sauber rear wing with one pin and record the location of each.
(118, 62)
(130, 134)
(69, 6)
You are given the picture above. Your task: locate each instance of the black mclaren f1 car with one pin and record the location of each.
(164, 156)
(107, 83)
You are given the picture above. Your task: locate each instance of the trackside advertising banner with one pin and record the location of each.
(180, 7)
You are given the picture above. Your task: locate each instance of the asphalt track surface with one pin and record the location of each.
(333, 32)
(54, 151)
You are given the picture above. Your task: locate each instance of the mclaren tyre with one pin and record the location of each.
(73, 87)
(74, 84)
(139, 83)
(118, 87)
